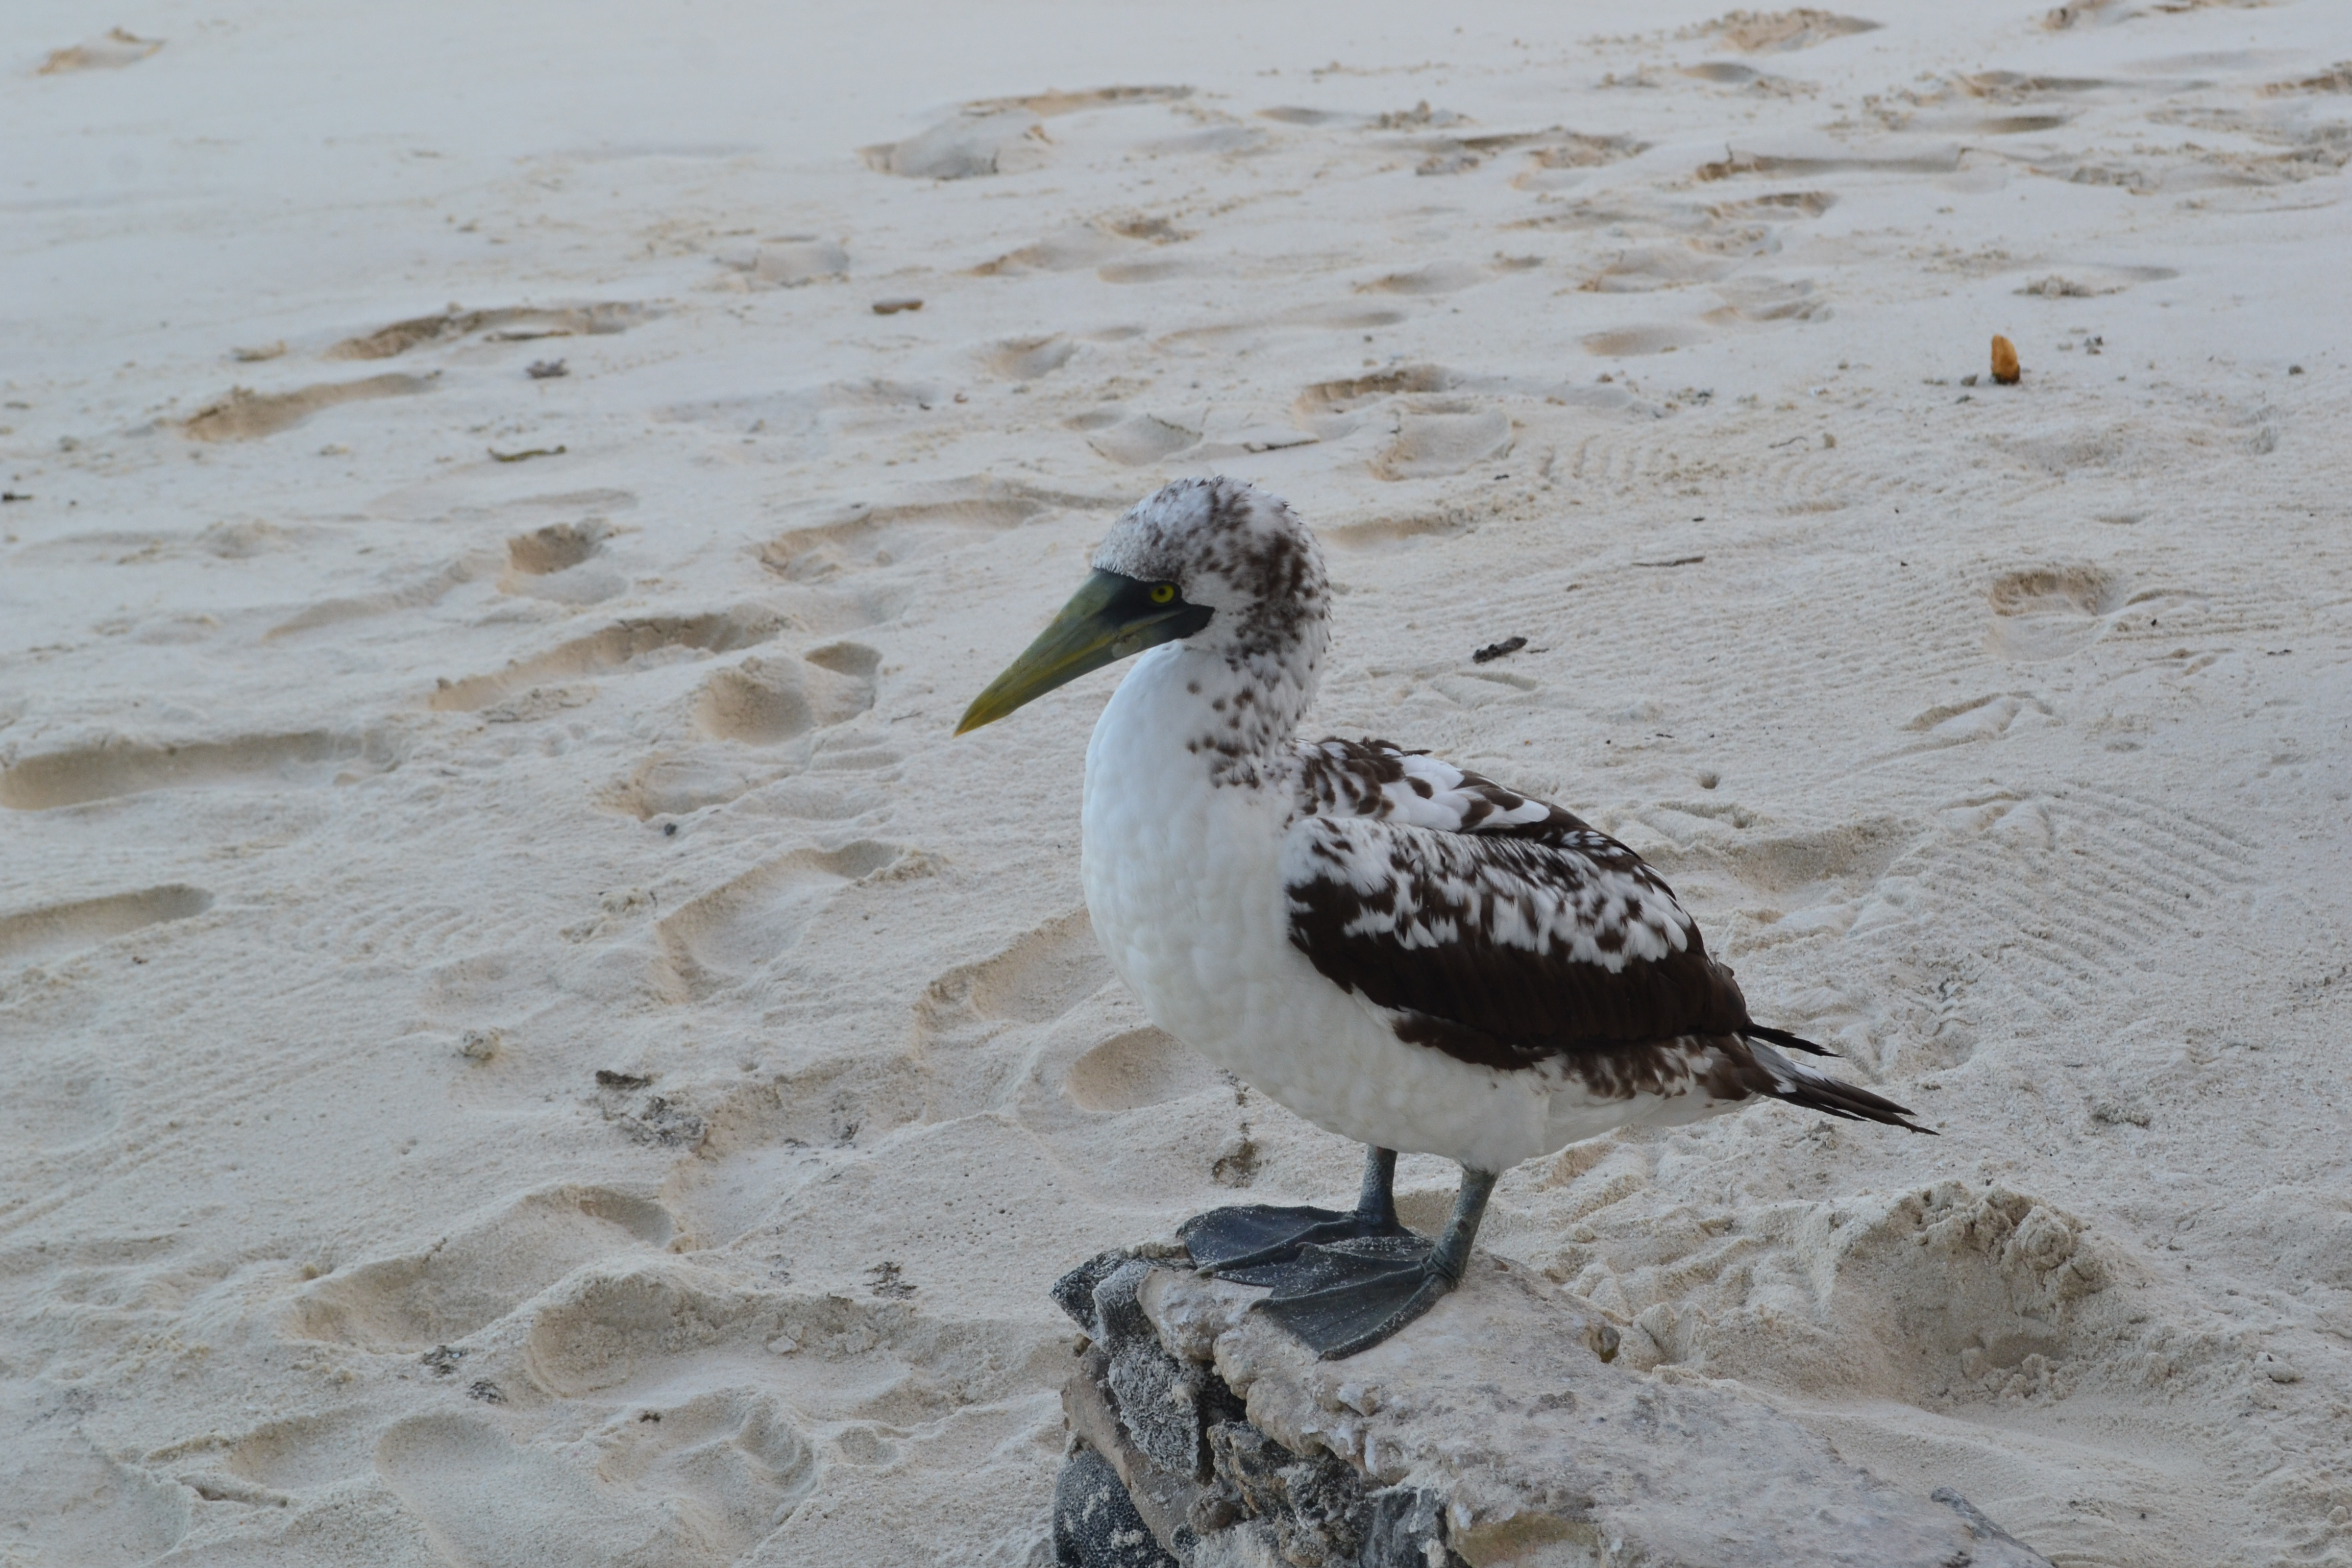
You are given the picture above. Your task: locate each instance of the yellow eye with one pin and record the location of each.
(1163, 593)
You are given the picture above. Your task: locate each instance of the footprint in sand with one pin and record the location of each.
(556, 548)
(2082, 281)
(730, 933)
(761, 701)
(1436, 436)
(1788, 884)
(608, 1325)
(1987, 718)
(769, 1138)
(285, 1457)
(1036, 980)
(973, 1028)
(1728, 224)
(1135, 1069)
(1400, 530)
(417, 594)
(1651, 338)
(1438, 139)
(116, 768)
(1732, 73)
(1437, 277)
(799, 424)
(478, 1273)
(1647, 269)
(1054, 988)
(2049, 612)
(787, 262)
(701, 1482)
(1000, 136)
(55, 930)
(1781, 32)
(70, 1501)
(1325, 406)
(1559, 161)
(1111, 245)
(972, 145)
(873, 1348)
(1234, 336)
(757, 721)
(920, 522)
(1757, 297)
(244, 415)
(1141, 440)
(731, 1458)
(110, 50)
(1204, 433)
(1678, 245)
(1041, 1034)
(511, 324)
(1942, 159)
(972, 1021)
(1028, 358)
(614, 648)
(2018, 1286)
(559, 562)
(2075, 891)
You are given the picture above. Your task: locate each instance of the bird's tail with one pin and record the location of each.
(1809, 1086)
(1786, 1040)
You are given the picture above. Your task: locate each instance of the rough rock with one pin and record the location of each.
(1095, 1525)
(1498, 1429)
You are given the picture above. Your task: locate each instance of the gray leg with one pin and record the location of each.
(1257, 1243)
(1377, 1201)
(1349, 1296)
(1452, 1254)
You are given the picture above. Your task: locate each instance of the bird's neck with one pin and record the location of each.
(1231, 713)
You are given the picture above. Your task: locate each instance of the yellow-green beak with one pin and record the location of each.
(1107, 619)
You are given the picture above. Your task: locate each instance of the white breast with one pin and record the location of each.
(1185, 885)
(1183, 878)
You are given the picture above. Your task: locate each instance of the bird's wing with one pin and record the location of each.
(1495, 927)
(1378, 779)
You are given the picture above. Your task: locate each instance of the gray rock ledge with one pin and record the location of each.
(1495, 1430)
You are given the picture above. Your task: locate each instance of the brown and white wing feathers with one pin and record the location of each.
(1504, 931)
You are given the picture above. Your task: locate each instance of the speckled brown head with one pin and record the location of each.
(1215, 563)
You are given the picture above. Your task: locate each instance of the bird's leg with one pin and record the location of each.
(1255, 1242)
(1349, 1296)
(1376, 1199)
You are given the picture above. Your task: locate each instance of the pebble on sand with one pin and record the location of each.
(2005, 368)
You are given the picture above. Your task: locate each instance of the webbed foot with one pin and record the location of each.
(1257, 1244)
(1342, 1297)
(1349, 1296)
(1254, 1243)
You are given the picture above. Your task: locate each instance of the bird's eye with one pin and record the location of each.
(1163, 593)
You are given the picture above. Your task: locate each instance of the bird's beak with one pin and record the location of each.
(1107, 619)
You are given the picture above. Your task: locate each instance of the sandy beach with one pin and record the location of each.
(524, 1040)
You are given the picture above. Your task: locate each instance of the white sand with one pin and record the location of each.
(1998, 735)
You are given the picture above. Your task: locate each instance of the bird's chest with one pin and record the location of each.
(1183, 873)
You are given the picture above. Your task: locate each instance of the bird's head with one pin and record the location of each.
(1215, 563)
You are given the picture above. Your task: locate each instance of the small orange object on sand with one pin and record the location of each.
(2005, 368)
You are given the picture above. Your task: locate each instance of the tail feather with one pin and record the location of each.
(1816, 1091)
(1786, 1040)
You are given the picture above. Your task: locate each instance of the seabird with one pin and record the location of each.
(1404, 953)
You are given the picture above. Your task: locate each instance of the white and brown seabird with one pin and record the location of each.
(1408, 954)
